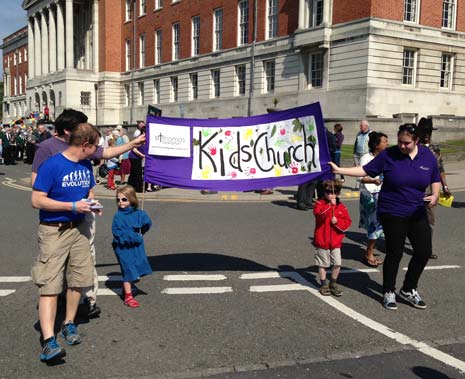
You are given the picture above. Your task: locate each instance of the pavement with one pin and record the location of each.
(455, 171)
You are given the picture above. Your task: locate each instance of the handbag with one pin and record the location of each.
(103, 171)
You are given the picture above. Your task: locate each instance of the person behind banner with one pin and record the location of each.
(129, 225)
(331, 221)
(408, 168)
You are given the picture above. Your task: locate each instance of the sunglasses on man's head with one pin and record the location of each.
(121, 199)
(410, 128)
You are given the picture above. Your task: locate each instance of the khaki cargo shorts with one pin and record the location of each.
(327, 258)
(61, 253)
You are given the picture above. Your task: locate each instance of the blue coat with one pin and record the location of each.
(129, 225)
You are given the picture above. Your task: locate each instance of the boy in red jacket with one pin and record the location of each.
(331, 221)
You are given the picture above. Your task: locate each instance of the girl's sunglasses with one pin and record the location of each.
(120, 200)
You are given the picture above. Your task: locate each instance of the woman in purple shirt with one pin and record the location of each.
(408, 169)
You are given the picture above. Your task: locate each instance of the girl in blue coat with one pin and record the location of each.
(129, 225)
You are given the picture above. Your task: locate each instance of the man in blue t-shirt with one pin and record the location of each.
(62, 184)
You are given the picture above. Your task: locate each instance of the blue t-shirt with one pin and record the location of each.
(405, 180)
(64, 180)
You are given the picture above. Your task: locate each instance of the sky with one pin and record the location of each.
(12, 18)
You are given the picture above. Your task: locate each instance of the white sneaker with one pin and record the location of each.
(389, 301)
(413, 298)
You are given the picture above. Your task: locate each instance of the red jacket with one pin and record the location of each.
(327, 235)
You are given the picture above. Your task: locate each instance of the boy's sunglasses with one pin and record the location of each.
(120, 200)
(328, 191)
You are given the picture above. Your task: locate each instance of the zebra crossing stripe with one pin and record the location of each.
(6, 292)
(187, 277)
(196, 290)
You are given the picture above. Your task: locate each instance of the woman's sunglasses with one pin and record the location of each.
(409, 128)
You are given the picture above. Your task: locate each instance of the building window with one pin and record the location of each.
(14, 59)
(194, 93)
(269, 69)
(243, 36)
(174, 88)
(196, 35)
(25, 55)
(446, 71)
(216, 89)
(240, 80)
(411, 10)
(85, 98)
(128, 10)
(19, 57)
(142, 51)
(272, 18)
(316, 69)
(141, 93)
(20, 84)
(176, 38)
(408, 67)
(15, 86)
(158, 4)
(127, 95)
(142, 8)
(158, 44)
(156, 91)
(218, 29)
(316, 12)
(448, 14)
(128, 55)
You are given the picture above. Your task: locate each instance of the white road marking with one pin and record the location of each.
(196, 290)
(357, 271)
(15, 279)
(109, 291)
(187, 277)
(111, 278)
(278, 288)
(380, 328)
(6, 292)
(444, 267)
(267, 275)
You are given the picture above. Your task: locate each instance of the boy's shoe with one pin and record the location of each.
(94, 309)
(52, 351)
(413, 298)
(70, 334)
(335, 291)
(389, 301)
(324, 290)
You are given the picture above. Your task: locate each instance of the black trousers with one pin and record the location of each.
(305, 193)
(135, 176)
(396, 230)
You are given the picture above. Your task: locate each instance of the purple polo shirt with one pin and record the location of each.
(53, 146)
(405, 180)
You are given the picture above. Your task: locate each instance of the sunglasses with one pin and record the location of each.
(409, 128)
(122, 199)
(328, 191)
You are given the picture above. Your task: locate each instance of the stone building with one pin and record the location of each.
(198, 58)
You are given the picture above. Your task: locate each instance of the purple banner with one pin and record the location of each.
(279, 149)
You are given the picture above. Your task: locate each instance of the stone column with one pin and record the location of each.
(30, 48)
(69, 34)
(60, 38)
(95, 37)
(52, 40)
(37, 48)
(302, 4)
(44, 42)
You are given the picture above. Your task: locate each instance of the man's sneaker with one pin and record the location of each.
(93, 309)
(324, 290)
(70, 334)
(51, 351)
(389, 301)
(335, 291)
(413, 298)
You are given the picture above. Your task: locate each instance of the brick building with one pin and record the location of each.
(15, 73)
(198, 58)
